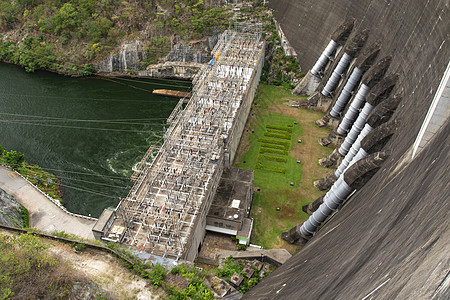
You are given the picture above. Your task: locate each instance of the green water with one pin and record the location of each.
(90, 132)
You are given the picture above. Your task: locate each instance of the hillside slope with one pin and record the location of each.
(72, 36)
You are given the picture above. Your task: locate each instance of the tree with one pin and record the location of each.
(13, 158)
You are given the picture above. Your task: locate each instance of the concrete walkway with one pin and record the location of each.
(44, 215)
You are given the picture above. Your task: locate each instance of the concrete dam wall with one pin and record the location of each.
(390, 238)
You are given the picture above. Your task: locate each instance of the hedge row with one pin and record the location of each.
(271, 150)
(283, 128)
(261, 166)
(286, 144)
(272, 146)
(275, 158)
(285, 136)
(274, 169)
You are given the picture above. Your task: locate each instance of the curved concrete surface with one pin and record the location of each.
(391, 238)
(44, 215)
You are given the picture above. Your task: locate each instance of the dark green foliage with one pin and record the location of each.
(196, 288)
(157, 274)
(86, 70)
(230, 266)
(74, 33)
(264, 150)
(241, 247)
(78, 246)
(25, 217)
(284, 136)
(280, 70)
(61, 234)
(13, 158)
(286, 144)
(282, 128)
(32, 54)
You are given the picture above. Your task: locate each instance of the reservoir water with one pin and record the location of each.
(90, 132)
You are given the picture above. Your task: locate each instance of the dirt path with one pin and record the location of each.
(107, 271)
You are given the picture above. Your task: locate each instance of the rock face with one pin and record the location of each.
(179, 70)
(187, 53)
(10, 214)
(307, 85)
(128, 57)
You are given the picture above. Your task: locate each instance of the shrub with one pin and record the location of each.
(13, 158)
(241, 247)
(273, 146)
(285, 136)
(275, 158)
(157, 274)
(87, 70)
(286, 144)
(25, 217)
(274, 169)
(264, 150)
(229, 268)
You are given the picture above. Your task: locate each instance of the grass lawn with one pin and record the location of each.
(269, 147)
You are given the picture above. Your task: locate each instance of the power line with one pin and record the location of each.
(96, 183)
(163, 79)
(133, 80)
(78, 127)
(84, 173)
(91, 99)
(117, 121)
(89, 191)
(151, 83)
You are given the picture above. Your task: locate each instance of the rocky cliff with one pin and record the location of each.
(10, 211)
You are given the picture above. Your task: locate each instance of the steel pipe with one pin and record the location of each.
(346, 92)
(353, 151)
(323, 59)
(353, 110)
(335, 196)
(337, 74)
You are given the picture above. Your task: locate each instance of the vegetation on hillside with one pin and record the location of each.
(28, 270)
(45, 181)
(69, 36)
(279, 69)
(28, 267)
